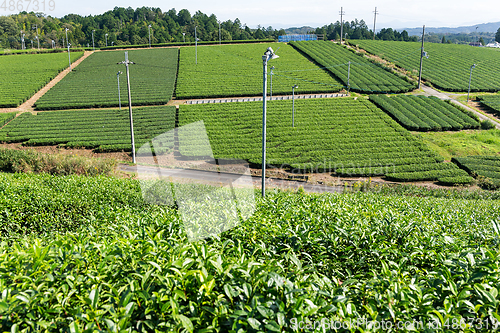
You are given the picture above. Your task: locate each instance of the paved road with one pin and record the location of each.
(219, 177)
(431, 92)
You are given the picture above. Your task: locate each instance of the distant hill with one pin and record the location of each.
(299, 31)
(483, 27)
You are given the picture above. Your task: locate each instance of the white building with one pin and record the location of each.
(495, 44)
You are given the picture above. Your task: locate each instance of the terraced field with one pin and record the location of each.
(236, 70)
(448, 65)
(104, 130)
(344, 136)
(23, 75)
(93, 84)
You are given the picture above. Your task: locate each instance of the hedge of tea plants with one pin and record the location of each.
(492, 102)
(448, 66)
(24, 75)
(103, 130)
(344, 136)
(364, 76)
(420, 113)
(85, 254)
(236, 70)
(485, 167)
(94, 83)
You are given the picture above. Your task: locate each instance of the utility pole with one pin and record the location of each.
(374, 21)
(219, 34)
(341, 23)
(93, 45)
(127, 63)
(67, 42)
(196, 44)
(421, 59)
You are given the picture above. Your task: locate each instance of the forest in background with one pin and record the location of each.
(126, 26)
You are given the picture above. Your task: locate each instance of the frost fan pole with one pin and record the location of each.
(268, 55)
(126, 63)
(421, 58)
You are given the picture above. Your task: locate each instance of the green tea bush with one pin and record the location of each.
(358, 257)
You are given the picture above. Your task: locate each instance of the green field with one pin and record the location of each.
(105, 130)
(24, 75)
(87, 254)
(420, 113)
(93, 83)
(364, 76)
(448, 65)
(236, 70)
(463, 143)
(346, 136)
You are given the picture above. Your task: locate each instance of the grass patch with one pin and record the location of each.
(30, 161)
(464, 143)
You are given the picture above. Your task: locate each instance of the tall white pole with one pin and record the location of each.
(421, 59)
(264, 120)
(293, 105)
(219, 34)
(127, 62)
(470, 80)
(69, 57)
(119, 97)
(93, 45)
(272, 82)
(149, 29)
(67, 42)
(349, 76)
(196, 44)
(106, 35)
(268, 55)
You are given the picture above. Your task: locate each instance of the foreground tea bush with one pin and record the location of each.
(358, 257)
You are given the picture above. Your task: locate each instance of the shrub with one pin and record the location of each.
(487, 125)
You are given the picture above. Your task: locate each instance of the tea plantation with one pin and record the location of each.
(24, 75)
(346, 136)
(89, 254)
(448, 65)
(94, 84)
(104, 130)
(236, 70)
(85, 254)
(361, 75)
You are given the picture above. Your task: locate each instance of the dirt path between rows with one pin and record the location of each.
(28, 105)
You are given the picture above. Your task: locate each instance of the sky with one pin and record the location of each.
(315, 13)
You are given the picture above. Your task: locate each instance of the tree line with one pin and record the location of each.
(126, 26)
